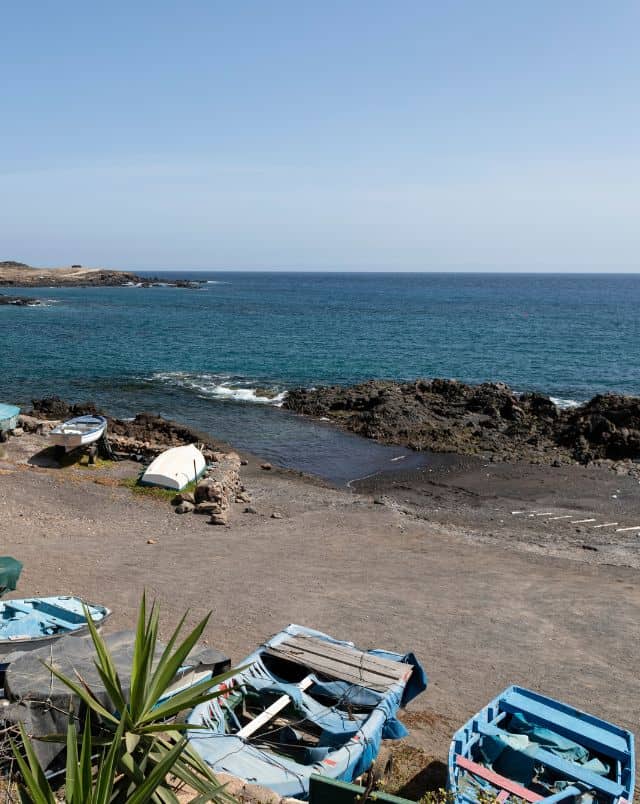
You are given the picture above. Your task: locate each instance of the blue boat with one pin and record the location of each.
(526, 746)
(305, 703)
(8, 420)
(31, 623)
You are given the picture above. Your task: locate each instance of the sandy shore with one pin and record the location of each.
(429, 561)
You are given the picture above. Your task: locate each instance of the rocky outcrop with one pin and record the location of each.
(19, 301)
(18, 274)
(450, 416)
(607, 427)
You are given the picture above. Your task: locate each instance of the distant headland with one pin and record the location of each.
(19, 274)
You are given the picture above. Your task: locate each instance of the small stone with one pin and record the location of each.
(249, 510)
(276, 515)
(152, 541)
(379, 501)
(208, 508)
(244, 463)
(183, 496)
(18, 431)
(556, 463)
(185, 508)
(589, 547)
(218, 519)
(243, 497)
(266, 466)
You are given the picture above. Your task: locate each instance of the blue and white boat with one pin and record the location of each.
(305, 704)
(31, 623)
(8, 419)
(526, 746)
(78, 432)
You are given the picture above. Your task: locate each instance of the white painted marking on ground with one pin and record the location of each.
(513, 513)
(581, 521)
(606, 525)
(546, 513)
(564, 516)
(623, 530)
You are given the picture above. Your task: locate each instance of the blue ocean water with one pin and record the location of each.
(220, 357)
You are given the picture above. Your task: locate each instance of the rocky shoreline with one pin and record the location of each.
(489, 419)
(19, 301)
(19, 274)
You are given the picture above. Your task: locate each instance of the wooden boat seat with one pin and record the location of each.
(567, 725)
(495, 779)
(570, 770)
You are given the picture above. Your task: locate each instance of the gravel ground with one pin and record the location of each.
(442, 567)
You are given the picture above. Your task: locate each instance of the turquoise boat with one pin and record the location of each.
(305, 703)
(8, 419)
(30, 623)
(526, 747)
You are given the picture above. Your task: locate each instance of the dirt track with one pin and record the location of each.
(481, 611)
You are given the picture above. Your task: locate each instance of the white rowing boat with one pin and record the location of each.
(78, 432)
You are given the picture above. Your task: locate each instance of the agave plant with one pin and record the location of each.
(143, 755)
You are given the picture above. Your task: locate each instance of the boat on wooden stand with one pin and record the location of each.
(80, 431)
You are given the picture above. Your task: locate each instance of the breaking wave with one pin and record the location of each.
(563, 404)
(223, 387)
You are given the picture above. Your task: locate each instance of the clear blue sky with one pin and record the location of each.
(411, 135)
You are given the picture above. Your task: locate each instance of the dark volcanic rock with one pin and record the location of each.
(450, 416)
(19, 301)
(55, 408)
(147, 427)
(606, 427)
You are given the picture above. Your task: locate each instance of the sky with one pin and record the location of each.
(296, 135)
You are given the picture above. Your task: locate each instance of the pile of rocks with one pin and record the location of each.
(217, 491)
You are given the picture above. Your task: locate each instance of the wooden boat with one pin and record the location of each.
(8, 420)
(31, 623)
(525, 746)
(175, 468)
(78, 432)
(305, 704)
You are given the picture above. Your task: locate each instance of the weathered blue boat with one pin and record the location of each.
(305, 704)
(8, 420)
(31, 623)
(526, 746)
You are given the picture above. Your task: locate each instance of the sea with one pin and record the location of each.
(221, 358)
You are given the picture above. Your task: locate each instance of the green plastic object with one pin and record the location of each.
(323, 790)
(10, 569)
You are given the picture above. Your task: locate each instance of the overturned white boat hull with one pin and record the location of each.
(175, 468)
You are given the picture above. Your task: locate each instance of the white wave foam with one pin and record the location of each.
(563, 404)
(223, 387)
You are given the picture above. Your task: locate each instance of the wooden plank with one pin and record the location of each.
(271, 711)
(350, 665)
(388, 667)
(497, 780)
(335, 669)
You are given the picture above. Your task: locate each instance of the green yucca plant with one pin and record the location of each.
(142, 754)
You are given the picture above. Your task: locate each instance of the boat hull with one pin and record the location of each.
(175, 468)
(78, 432)
(528, 746)
(8, 417)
